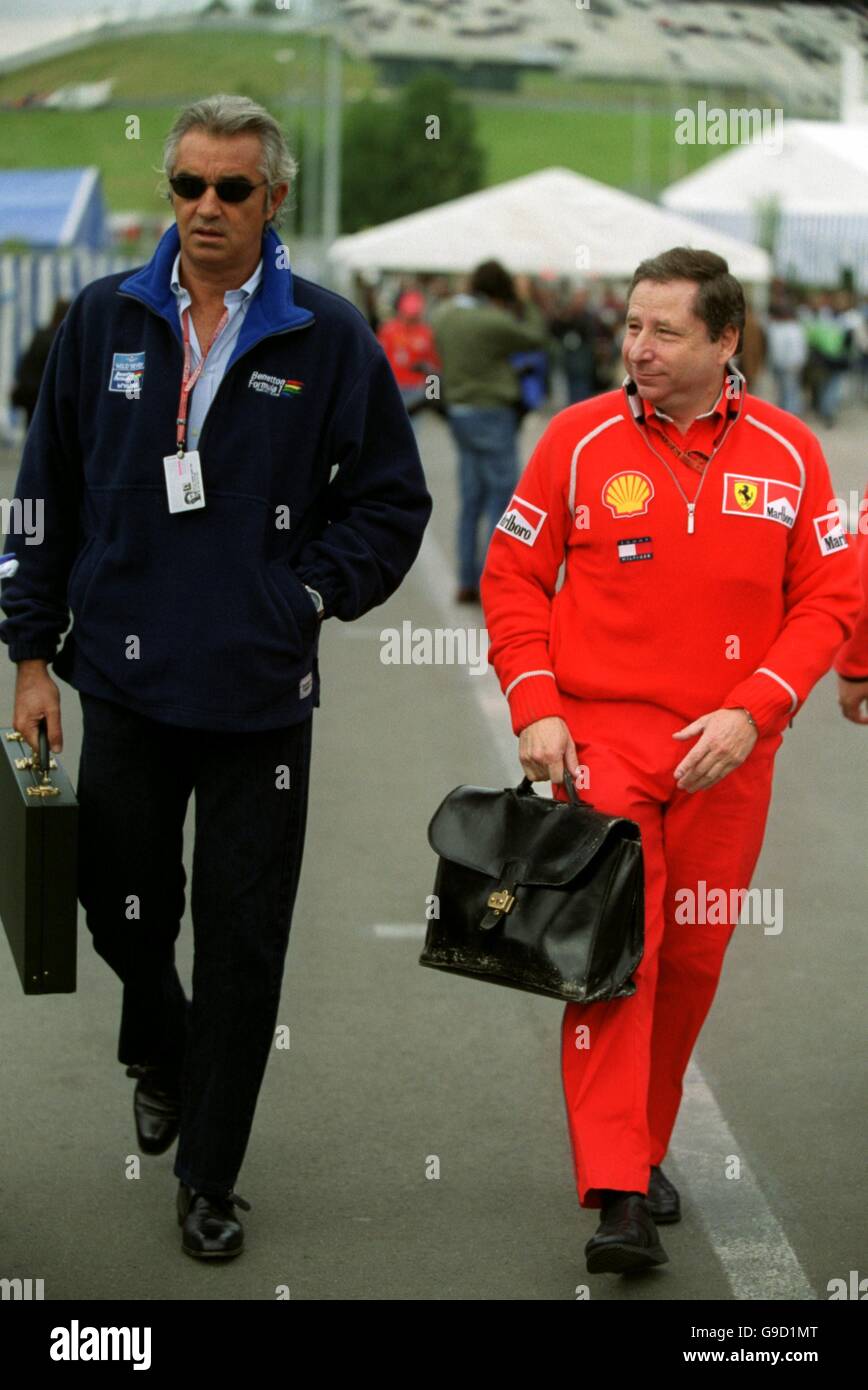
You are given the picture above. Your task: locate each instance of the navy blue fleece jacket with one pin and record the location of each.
(307, 426)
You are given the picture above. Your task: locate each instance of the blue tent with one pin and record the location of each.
(52, 208)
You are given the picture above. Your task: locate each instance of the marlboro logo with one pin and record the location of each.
(830, 533)
(522, 520)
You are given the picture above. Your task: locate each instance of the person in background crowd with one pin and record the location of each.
(753, 349)
(366, 297)
(851, 663)
(862, 340)
(610, 332)
(408, 342)
(28, 377)
(476, 334)
(829, 342)
(854, 323)
(787, 354)
(575, 327)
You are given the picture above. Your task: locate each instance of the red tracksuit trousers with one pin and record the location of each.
(623, 1088)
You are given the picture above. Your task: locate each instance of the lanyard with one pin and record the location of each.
(189, 379)
(694, 458)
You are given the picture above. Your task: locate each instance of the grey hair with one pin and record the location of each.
(236, 115)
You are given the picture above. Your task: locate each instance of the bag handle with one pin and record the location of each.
(42, 765)
(525, 788)
(44, 755)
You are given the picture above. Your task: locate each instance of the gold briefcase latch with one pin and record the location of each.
(501, 900)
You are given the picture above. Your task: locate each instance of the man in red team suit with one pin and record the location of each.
(851, 663)
(707, 585)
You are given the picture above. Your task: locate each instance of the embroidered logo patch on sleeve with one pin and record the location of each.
(522, 520)
(768, 498)
(831, 536)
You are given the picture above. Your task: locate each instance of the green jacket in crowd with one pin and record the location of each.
(475, 340)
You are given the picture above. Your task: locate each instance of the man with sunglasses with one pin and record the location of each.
(707, 585)
(224, 461)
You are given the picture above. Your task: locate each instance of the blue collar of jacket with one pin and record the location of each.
(272, 310)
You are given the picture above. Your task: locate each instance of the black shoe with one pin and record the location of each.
(210, 1227)
(625, 1239)
(664, 1202)
(467, 595)
(157, 1108)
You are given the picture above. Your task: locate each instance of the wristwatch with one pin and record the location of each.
(316, 599)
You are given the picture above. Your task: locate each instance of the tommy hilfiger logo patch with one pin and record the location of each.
(274, 385)
(639, 548)
(522, 520)
(766, 498)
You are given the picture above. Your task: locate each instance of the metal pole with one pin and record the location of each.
(311, 152)
(331, 201)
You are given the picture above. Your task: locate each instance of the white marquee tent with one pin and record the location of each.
(553, 221)
(818, 183)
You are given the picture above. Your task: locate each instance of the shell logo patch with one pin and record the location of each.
(628, 494)
(767, 498)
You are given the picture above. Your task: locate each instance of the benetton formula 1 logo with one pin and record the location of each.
(628, 494)
(767, 498)
(522, 520)
(274, 385)
(127, 373)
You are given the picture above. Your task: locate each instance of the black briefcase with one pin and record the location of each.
(38, 865)
(535, 893)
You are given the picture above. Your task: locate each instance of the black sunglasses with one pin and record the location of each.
(228, 190)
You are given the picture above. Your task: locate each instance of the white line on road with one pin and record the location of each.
(747, 1238)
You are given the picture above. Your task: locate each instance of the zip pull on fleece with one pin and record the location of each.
(690, 518)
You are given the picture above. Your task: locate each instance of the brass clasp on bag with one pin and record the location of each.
(501, 901)
(39, 763)
(24, 763)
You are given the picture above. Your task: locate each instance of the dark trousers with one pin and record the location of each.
(135, 780)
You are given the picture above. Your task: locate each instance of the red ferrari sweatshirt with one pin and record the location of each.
(852, 659)
(730, 588)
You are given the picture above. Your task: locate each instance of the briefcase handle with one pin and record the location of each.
(525, 788)
(42, 761)
(42, 765)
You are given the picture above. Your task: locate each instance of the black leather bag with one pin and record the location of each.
(38, 865)
(535, 893)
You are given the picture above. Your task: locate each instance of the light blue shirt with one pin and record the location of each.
(237, 302)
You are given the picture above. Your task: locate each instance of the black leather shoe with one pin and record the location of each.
(664, 1202)
(211, 1230)
(625, 1239)
(157, 1108)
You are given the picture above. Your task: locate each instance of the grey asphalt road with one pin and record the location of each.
(391, 1066)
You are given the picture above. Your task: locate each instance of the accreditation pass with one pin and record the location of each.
(184, 487)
